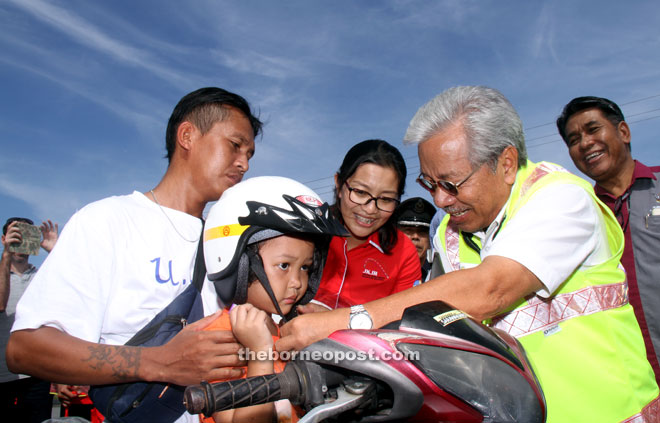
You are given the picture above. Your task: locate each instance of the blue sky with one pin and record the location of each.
(87, 86)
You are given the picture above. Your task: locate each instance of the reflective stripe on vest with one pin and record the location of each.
(540, 314)
(649, 414)
(452, 247)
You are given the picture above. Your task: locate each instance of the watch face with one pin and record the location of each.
(361, 321)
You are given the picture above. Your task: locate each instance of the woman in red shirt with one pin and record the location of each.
(377, 259)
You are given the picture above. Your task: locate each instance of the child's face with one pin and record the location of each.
(287, 261)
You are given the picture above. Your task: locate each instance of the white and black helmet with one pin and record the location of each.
(254, 210)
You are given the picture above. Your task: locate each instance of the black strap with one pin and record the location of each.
(257, 266)
(467, 237)
(199, 270)
(500, 227)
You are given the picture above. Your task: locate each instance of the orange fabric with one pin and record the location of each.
(84, 399)
(223, 323)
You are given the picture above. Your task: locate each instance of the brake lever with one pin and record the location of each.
(349, 396)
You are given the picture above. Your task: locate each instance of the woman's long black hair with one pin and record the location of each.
(383, 154)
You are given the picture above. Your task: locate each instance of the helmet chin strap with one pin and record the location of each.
(257, 266)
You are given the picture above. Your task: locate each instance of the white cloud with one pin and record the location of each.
(451, 15)
(253, 62)
(542, 40)
(47, 203)
(137, 116)
(85, 33)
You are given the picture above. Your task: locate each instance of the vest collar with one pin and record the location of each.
(494, 227)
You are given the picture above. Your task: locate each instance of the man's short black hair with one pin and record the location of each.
(610, 110)
(15, 219)
(212, 99)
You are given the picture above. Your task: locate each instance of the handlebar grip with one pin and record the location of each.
(208, 398)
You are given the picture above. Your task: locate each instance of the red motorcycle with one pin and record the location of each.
(435, 364)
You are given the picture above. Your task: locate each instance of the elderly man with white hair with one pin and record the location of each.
(528, 248)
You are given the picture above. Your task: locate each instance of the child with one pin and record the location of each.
(265, 242)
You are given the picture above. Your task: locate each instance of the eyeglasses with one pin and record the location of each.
(362, 197)
(448, 187)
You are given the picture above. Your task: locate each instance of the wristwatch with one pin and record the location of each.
(360, 318)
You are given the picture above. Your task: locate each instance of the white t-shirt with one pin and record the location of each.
(558, 230)
(116, 264)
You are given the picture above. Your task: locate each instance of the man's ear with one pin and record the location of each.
(624, 130)
(184, 134)
(508, 162)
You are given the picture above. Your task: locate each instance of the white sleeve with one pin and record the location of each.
(558, 230)
(71, 289)
(210, 299)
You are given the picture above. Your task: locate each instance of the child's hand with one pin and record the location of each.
(250, 327)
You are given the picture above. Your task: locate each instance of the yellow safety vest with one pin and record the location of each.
(584, 343)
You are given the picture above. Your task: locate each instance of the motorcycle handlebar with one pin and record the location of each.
(208, 398)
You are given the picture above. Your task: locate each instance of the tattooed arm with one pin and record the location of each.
(190, 357)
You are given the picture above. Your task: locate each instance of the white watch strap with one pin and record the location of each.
(359, 315)
(357, 309)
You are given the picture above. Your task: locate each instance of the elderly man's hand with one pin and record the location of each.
(311, 308)
(309, 328)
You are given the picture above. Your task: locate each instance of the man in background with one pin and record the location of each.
(598, 140)
(414, 219)
(22, 398)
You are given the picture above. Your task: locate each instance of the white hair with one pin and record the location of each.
(488, 119)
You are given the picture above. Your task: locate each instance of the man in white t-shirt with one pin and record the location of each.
(121, 260)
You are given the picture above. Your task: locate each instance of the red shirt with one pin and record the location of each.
(365, 273)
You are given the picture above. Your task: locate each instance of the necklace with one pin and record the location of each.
(170, 220)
